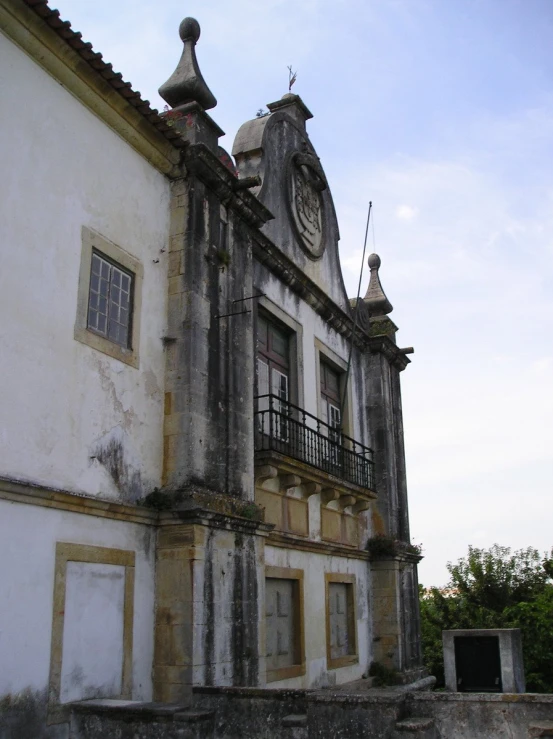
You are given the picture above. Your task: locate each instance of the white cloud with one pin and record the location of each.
(471, 285)
(406, 212)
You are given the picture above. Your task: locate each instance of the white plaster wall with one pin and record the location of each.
(315, 566)
(28, 536)
(63, 168)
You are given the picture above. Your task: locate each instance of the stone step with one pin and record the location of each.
(543, 729)
(416, 727)
(295, 726)
(98, 719)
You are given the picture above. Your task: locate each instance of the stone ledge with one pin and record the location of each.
(266, 693)
(194, 717)
(484, 697)
(285, 540)
(375, 696)
(31, 493)
(131, 710)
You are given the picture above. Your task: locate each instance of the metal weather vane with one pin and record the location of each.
(291, 77)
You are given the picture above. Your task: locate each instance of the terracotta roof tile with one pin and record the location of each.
(96, 61)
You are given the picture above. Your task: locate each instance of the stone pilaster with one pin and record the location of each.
(208, 617)
(396, 621)
(208, 432)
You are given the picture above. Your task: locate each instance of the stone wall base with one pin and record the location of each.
(257, 713)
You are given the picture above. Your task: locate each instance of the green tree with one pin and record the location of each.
(495, 588)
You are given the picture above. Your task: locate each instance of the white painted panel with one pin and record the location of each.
(92, 661)
(28, 537)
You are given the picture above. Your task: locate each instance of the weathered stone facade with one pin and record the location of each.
(264, 404)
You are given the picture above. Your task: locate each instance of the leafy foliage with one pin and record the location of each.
(495, 588)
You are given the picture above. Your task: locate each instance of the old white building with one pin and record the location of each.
(189, 474)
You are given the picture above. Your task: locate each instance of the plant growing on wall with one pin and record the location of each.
(386, 546)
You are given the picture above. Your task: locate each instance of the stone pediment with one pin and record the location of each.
(277, 149)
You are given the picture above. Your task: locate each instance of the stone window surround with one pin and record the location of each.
(272, 312)
(324, 354)
(68, 552)
(91, 240)
(286, 573)
(353, 658)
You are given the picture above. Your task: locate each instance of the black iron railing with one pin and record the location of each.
(283, 427)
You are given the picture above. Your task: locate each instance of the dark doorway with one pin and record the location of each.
(478, 664)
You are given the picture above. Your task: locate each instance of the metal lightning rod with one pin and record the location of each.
(356, 309)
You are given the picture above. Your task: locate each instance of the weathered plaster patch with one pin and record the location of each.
(110, 452)
(151, 385)
(127, 414)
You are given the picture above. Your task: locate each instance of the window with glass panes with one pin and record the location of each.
(110, 300)
(273, 373)
(330, 396)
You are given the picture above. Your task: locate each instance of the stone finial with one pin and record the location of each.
(186, 84)
(375, 299)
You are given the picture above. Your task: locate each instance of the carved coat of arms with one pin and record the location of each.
(306, 181)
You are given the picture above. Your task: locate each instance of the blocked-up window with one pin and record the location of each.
(279, 612)
(340, 636)
(341, 621)
(283, 625)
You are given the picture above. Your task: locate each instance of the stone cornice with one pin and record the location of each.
(385, 346)
(212, 519)
(60, 51)
(289, 541)
(18, 491)
(271, 257)
(205, 165)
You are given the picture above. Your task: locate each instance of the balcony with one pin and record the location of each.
(287, 429)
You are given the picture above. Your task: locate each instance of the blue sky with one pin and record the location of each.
(441, 113)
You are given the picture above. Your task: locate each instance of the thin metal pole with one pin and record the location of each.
(356, 313)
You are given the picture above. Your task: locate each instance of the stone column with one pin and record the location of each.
(394, 576)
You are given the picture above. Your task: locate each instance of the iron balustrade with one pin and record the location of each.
(283, 427)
